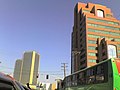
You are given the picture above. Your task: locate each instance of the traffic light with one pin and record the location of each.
(47, 76)
(37, 76)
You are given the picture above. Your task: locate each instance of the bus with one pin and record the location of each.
(103, 76)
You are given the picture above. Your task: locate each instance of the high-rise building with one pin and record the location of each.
(17, 69)
(30, 66)
(92, 21)
(26, 70)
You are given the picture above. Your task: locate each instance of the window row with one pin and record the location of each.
(102, 26)
(94, 75)
(117, 40)
(104, 21)
(108, 15)
(96, 36)
(119, 51)
(92, 54)
(94, 61)
(119, 45)
(91, 48)
(104, 32)
(92, 41)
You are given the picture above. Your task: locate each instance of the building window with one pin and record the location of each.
(101, 73)
(103, 26)
(90, 76)
(92, 42)
(119, 51)
(100, 13)
(103, 32)
(112, 51)
(117, 40)
(92, 54)
(103, 21)
(86, 11)
(94, 61)
(108, 15)
(91, 48)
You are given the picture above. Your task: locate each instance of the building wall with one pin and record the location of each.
(30, 68)
(36, 66)
(17, 69)
(92, 21)
(26, 67)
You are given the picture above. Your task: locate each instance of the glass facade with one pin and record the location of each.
(97, 36)
(93, 36)
(91, 23)
(103, 32)
(103, 21)
(103, 26)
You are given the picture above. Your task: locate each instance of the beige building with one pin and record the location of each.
(17, 69)
(26, 70)
(92, 21)
(30, 68)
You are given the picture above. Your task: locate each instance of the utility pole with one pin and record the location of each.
(64, 66)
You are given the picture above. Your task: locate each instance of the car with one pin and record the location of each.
(9, 83)
(26, 88)
(22, 86)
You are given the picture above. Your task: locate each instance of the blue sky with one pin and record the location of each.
(41, 25)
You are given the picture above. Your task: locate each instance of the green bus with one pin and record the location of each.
(103, 76)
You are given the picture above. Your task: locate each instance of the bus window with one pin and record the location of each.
(74, 80)
(101, 73)
(90, 76)
(82, 79)
(66, 82)
(69, 81)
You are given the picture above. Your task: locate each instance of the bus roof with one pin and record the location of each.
(93, 66)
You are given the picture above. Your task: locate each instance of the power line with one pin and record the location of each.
(29, 70)
(26, 72)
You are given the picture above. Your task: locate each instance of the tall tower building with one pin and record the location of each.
(30, 68)
(92, 21)
(17, 69)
